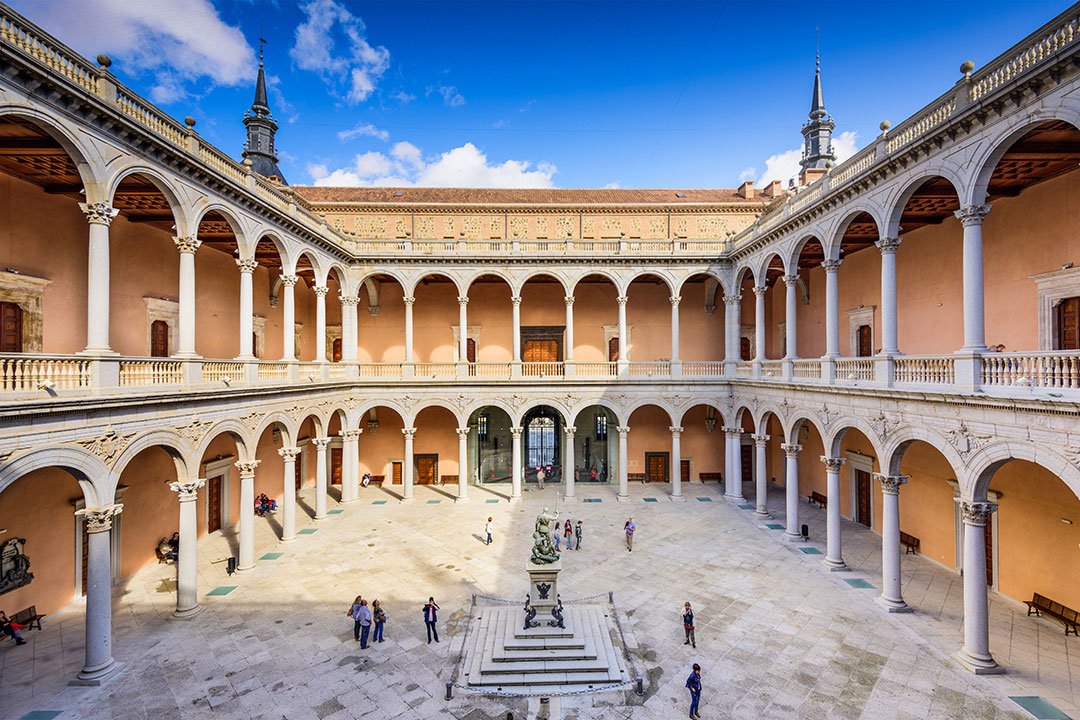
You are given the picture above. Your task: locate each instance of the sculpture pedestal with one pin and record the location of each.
(543, 586)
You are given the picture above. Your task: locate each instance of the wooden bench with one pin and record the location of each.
(1045, 607)
(28, 618)
(711, 476)
(910, 542)
(818, 499)
(635, 477)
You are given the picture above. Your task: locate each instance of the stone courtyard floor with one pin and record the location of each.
(778, 635)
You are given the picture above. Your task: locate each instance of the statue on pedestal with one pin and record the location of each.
(543, 552)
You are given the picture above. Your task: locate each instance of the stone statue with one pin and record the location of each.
(543, 552)
(557, 613)
(530, 615)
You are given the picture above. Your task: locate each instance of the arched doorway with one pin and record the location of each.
(490, 445)
(543, 427)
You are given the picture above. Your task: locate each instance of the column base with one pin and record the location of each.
(287, 539)
(461, 499)
(759, 513)
(187, 614)
(245, 570)
(835, 565)
(320, 517)
(893, 606)
(978, 665)
(793, 537)
(737, 498)
(570, 498)
(622, 498)
(346, 501)
(407, 500)
(98, 676)
(678, 498)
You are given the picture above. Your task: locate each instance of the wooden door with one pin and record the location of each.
(613, 349)
(213, 505)
(540, 351)
(744, 349)
(470, 350)
(298, 472)
(863, 487)
(865, 339)
(1068, 322)
(159, 339)
(255, 345)
(685, 469)
(335, 466)
(656, 467)
(395, 473)
(11, 327)
(427, 469)
(335, 350)
(988, 540)
(85, 555)
(747, 459)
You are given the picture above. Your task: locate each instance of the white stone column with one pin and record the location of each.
(568, 352)
(99, 216)
(187, 555)
(623, 360)
(515, 465)
(407, 469)
(463, 464)
(288, 500)
(888, 247)
(975, 654)
(891, 597)
(971, 217)
(99, 661)
(759, 322)
(463, 324)
(246, 561)
(288, 317)
(674, 300)
(349, 340)
(320, 322)
(732, 326)
(320, 476)
(791, 482)
(624, 479)
(569, 491)
(676, 462)
(350, 465)
(247, 312)
(515, 302)
(761, 480)
(832, 308)
(187, 247)
(409, 301)
(834, 556)
(791, 317)
(735, 479)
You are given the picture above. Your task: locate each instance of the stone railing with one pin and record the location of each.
(712, 368)
(1042, 370)
(806, 370)
(490, 371)
(18, 33)
(387, 371)
(744, 369)
(854, 165)
(1027, 55)
(658, 368)
(22, 373)
(596, 369)
(541, 369)
(674, 247)
(149, 116)
(137, 372)
(435, 370)
(925, 369)
(772, 369)
(920, 125)
(855, 369)
(273, 370)
(222, 370)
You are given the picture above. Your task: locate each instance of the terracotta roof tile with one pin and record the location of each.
(488, 196)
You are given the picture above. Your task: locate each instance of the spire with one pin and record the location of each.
(817, 104)
(261, 129)
(260, 106)
(817, 133)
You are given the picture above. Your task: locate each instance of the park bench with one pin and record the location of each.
(635, 477)
(28, 618)
(910, 542)
(818, 499)
(711, 476)
(1045, 607)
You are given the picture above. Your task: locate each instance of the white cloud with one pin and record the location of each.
(784, 166)
(450, 95)
(748, 173)
(613, 185)
(359, 66)
(403, 97)
(180, 42)
(465, 166)
(364, 130)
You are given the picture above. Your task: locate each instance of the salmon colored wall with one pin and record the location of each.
(811, 470)
(704, 448)
(387, 443)
(648, 433)
(435, 315)
(151, 509)
(927, 508)
(436, 433)
(855, 441)
(222, 446)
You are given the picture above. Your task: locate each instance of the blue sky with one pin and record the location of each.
(564, 94)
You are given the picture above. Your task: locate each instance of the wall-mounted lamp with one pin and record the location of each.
(227, 380)
(1067, 521)
(46, 384)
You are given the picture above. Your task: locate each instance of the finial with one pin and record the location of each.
(104, 61)
(884, 127)
(817, 49)
(262, 44)
(966, 68)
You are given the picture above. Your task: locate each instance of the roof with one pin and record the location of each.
(546, 196)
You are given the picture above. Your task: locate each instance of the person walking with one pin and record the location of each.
(431, 616)
(555, 536)
(489, 528)
(379, 616)
(630, 529)
(577, 535)
(365, 624)
(693, 684)
(688, 625)
(568, 531)
(541, 475)
(354, 613)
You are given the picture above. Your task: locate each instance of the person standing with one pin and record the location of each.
(541, 475)
(693, 684)
(555, 536)
(365, 624)
(354, 613)
(688, 625)
(431, 616)
(380, 620)
(630, 529)
(568, 531)
(577, 535)
(489, 528)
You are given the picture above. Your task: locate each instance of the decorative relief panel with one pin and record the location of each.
(588, 228)
(473, 228)
(449, 229)
(371, 226)
(564, 226)
(425, 227)
(542, 227)
(682, 227)
(401, 228)
(657, 228)
(612, 227)
(519, 228)
(495, 228)
(712, 227)
(634, 227)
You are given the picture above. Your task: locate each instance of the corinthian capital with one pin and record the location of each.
(320, 443)
(888, 245)
(99, 213)
(890, 484)
(289, 280)
(792, 450)
(831, 265)
(790, 280)
(833, 464)
(187, 244)
(976, 513)
(247, 469)
(972, 214)
(247, 264)
(760, 290)
(320, 290)
(187, 490)
(99, 519)
(347, 300)
(288, 453)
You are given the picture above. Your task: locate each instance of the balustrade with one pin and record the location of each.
(435, 370)
(1042, 369)
(702, 369)
(855, 369)
(772, 369)
(274, 371)
(22, 372)
(806, 370)
(142, 373)
(924, 370)
(221, 370)
(541, 369)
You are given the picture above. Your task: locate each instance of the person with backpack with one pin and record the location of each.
(688, 625)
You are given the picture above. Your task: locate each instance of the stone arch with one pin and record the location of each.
(584, 405)
(535, 274)
(835, 438)
(87, 469)
(654, 402)
(318, 421)
(179, 449)
(813, 235)
(986, 158)
(91, 174)
(834, 235)
(519, 417)
(986, 461)
(482, 403)
(489, 272)
(671, 283)
(893, 451)
(422, 405)
(184, 225)
(278, 417)
(245, 445)
(766, 262)
(741, 411)
(357, 414)
(699, 403)
(373, 273)
(796, 422)
(898, 201)
(410, 286)
(600, 272)
(229, 216)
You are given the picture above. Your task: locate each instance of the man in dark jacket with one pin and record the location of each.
(693, 684)
(431, 616)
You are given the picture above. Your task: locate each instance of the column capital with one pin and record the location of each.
(348, 300)
(732, 300)
(568, 299)
(890, 484)
(99, 519)
(622, 299)
(790, 280)
(320, 290)
(247, 469)
(408, 432)
(320, 443)
(976, 513)
(463, 432)
(791, 450)
(288, 453)
(675, 430)
(887, 245)
(187, 490)
(831, 266)
(972, 214)
(99, 213)
(760, 440)
(463, 300)
(833, 464)
(409, 300)
(760, 290)
(515, 300)
(187, 244)
(289, 280)
(516, 432)
(675, 300)
(247, 265)
(733, 431)
(350, 434)
(623, 430)
(570, 431)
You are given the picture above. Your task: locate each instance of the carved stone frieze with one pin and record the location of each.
(108, 445)
(884, 425)
(965, 441)
(194, 431)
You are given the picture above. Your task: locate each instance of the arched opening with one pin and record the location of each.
(152, 513)
(335, 284)
(702, 445)
(771, 277)
(648, 310)
(380, 319)
(545, 327)
(220, 512)
(382, 448)
(435, 325)
(596, 323)
(860, 496)
(596, 445)
(701, 325)
(542, 443)
(858, 281)
(810, 300)
(490, 445)
(435, 447)
(649, 445)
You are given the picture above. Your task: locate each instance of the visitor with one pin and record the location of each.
(489, 528)
(365, 624)
(540, 476)
(354, 613)
(577, 535)
(174, 546)
(555, 535)
(693, 684)
(630, 528)
(11, 629)
(380, 620)
(568, 531)
(164, 549)
(688, 625)
(592, 473)
(431, 616)
(366, 480)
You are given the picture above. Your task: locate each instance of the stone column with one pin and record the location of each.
(409, 300)
(623, 360)
(99, 216)
(187, 555)
(834, 557)
(407, 469)
(320, 476)
(676, 462)
(288, 500)
(761, 481)
(790, 317)
(288, 317)
(891, 597)
(320, 322)
(247, 313)
(349, 341)
(99, 661)
(971, 217)
(515, 302)
(759, 322)
(624, 480)
(187, 247)
(888, 247)
(515, 465)
(463, 464)
(246, 561)
(832, 308)
(350, 465)
(568, 352)
(463, 323)
(975, 655)
(735, 482)
(732, 326)
(674, 299)
(569, 492)
(791, 482)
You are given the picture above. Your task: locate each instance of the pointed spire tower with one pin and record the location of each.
(261, 128)
(818, 154)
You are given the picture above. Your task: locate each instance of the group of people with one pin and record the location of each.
(11, 628)
(570, 532)
(169, 547)
(363, 619)
(264, 504)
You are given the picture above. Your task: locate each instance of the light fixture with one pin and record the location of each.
(311, 378)
(46, 384)
(13, 271)
(1022, 381)
(227, 380)
(1067, 521)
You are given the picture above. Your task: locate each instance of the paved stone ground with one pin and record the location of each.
(778, 637)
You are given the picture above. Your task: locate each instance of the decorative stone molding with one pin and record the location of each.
(194, 431)
(289, 453)
(611, 332)
(167, 311)
(733, 300)
(347, 300)
(623, 430)
(99, 519)
(972, 214)
(462, 432)
(247, 469)
(187, 244)
(833, 464)
(187, 490)
(976, 513)
(408, 432)
(890, 484)
(472, 332)
(99, 213)
(516, 432)
(622, 300)
(247, 265)
(29, 294)
(884, 425)
(320, 290)
(675, 431)
(760, 290)
(888, 245)
(352, 434)
(320, 443)
(289, 280)
(515, 300)
(965, 441)
(108, 445)
(1051, 288)
(791, 450)
(831, 266)
(258, 326)
(790, 280)
(761, 440)
(674, 300)
(568, 299)
(862, 315)
(463, 300)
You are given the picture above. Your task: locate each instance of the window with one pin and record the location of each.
(540, 440)
(601, 426)
(482, 427)
(11, 328)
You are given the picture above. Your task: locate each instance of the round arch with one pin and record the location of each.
(986, 158)
(985, 462)
(422, 405)
(92, 176)
(410, 288)
(184, 226)
(87, 469)
(893, 451)
(245, 446)
(178, 447)
(537, 274)
(834, 236)
(895, 205)
(834, 440)
(277, 417)
(596, 272)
